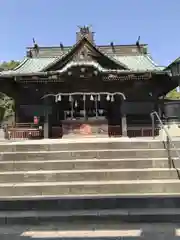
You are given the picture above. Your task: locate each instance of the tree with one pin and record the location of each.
(6, 106)
(7, 103)
(173, 95)
(9, 65)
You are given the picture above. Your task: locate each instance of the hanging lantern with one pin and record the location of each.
(83, 70)
(76, 104)
(112, 98)
(69, 73)
(84, 97)
(59, 98)
(70, 98)
(99, 98)
(101, 111)
(91, 98)
(108, 98)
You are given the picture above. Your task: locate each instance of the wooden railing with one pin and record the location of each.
(23, 131)
(30, 131)
(141, 131)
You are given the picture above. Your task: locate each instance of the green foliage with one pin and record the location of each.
(9, 65)
(7, 103)
(6, 107)
(173, 95)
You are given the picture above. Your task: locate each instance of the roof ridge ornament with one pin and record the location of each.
(35, 47)
(61, 46)
(112, 47)
(85, 32)
(138, 44)
(85, 29)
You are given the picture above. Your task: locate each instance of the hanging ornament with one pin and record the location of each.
(95, 72)
(70, 98)
(91, 98)
(101, 111)
(108, 98)
(112, 98)
(99, 98)
(59, 98)
(56, 98)
(75, 104)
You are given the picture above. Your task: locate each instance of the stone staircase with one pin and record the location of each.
(89, 180)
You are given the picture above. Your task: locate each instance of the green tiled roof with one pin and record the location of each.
(177, 60)
(139, 62)
(38, 65)
(31, 65)
(35, 65)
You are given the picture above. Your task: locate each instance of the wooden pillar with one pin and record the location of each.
(123, 120)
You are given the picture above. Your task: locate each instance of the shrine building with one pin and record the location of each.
(87, 89)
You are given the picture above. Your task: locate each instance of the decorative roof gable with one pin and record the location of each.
(84, 50)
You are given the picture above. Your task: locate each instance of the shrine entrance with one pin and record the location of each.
(86, 115)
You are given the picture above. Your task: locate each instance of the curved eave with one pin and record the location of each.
(95, 65)
(177, 60)
(105, 71)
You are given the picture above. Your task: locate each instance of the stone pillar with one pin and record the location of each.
(124, 125)
(123, 120)
(46, 125)
(46, 119)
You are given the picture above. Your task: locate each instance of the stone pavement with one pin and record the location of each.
(82, 140)
(94, 231)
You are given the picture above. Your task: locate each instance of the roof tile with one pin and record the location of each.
(138, 62)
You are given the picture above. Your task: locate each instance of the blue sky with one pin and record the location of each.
(122, 21)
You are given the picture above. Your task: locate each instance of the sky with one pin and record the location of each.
(121, 21)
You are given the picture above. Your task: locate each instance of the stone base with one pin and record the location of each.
(173, 130)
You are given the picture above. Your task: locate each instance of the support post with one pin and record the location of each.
(84, 106)
(72, 107)
(46, 119)
(123, 120)
(96, 106)
(124, 126)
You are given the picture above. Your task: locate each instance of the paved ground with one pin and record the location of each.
(83, 140)
(106, 231)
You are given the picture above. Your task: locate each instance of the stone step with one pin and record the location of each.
(90, 202)
(88, 154)
(135, 163)
(90, 175)
(83, 230)
(128, 215)
(75, 146)
(89, 187)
